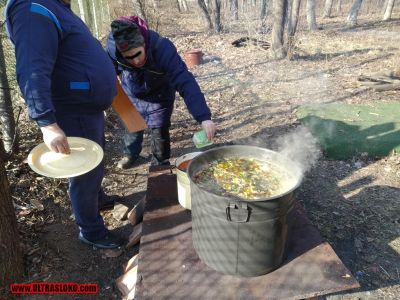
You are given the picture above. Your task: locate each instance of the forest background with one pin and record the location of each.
(292, 53)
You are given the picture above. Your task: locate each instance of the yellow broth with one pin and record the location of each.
(247, 178)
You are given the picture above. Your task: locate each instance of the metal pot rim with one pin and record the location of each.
(297, 177)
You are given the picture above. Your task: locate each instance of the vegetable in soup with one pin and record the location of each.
(247, 178)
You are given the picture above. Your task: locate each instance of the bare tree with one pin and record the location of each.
(11, 263)
(88, 15)
(105, 17)
(311, 19)
(327, 9)
(244, 5)
(217, 16)
(264, 14)
(339, 6)
(384, 5)
(95, 15)
(294, 17)
(81, 10)
(138, 5)
(388, 10)
(155, 6)
(203, 7)
(355, 8)
(182, 5)
(279, 9)
(264, 9)
(235, 9)
(7, 121)
(294, 11)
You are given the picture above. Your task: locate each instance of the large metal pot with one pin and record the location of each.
(240, 237)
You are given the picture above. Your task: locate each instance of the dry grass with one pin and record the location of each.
(353, 203)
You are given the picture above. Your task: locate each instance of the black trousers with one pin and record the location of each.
(160, 145)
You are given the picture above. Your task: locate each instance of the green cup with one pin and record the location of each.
(200, 139)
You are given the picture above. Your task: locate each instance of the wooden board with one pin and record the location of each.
(169, 268)
(128, 113)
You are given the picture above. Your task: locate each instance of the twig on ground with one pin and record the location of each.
(385, 271)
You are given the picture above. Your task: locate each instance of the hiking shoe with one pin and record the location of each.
(126, 163)
(109, 241)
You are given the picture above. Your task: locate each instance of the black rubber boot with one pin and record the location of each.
(160, 146)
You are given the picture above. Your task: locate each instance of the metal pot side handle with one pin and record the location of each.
(234, 206)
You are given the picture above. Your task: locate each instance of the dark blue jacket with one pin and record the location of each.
(152, 87)
(60, 65)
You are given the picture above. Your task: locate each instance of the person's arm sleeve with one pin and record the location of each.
(183, 81)
(36, 33)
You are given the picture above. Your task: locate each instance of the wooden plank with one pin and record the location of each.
(131, 118)
(169, 267)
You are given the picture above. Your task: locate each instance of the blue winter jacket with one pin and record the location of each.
(152, 87)
(60, 65)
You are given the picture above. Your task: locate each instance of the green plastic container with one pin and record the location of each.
(201, 140)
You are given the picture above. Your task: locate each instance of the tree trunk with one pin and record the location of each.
(178, 5)
(96, 32)
(384, 5)
(81, 10)
(352, 17)
(184, 5)
(235, 9)
(105, 18)
(106, 15)
(388, 11)
(139, 9)
(311, 19)
(294, 17)
(327, 9)
(206, 14)
(7, 121)
(11, 264)
(154, 3)
(279, 8)
(244, 3)
(339, 6)
(264, 9)
(89, 15)
(217, 16)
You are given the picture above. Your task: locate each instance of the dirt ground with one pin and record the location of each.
(354, 203)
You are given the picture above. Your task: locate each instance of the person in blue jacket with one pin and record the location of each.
(67, 81)
(151, 71)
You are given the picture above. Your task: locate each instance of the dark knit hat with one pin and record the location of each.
(126, 35)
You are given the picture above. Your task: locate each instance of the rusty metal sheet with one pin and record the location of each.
(169, 267)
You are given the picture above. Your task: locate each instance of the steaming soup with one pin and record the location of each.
(247, 178)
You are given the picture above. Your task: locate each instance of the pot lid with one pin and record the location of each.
(85, 156)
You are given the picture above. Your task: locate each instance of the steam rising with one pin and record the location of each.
(301, 147)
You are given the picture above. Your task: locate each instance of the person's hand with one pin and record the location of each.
(209, 128)
(55, 139)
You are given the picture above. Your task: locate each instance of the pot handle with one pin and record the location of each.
(238, 211)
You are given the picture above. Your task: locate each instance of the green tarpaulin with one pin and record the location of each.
(346, 130)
